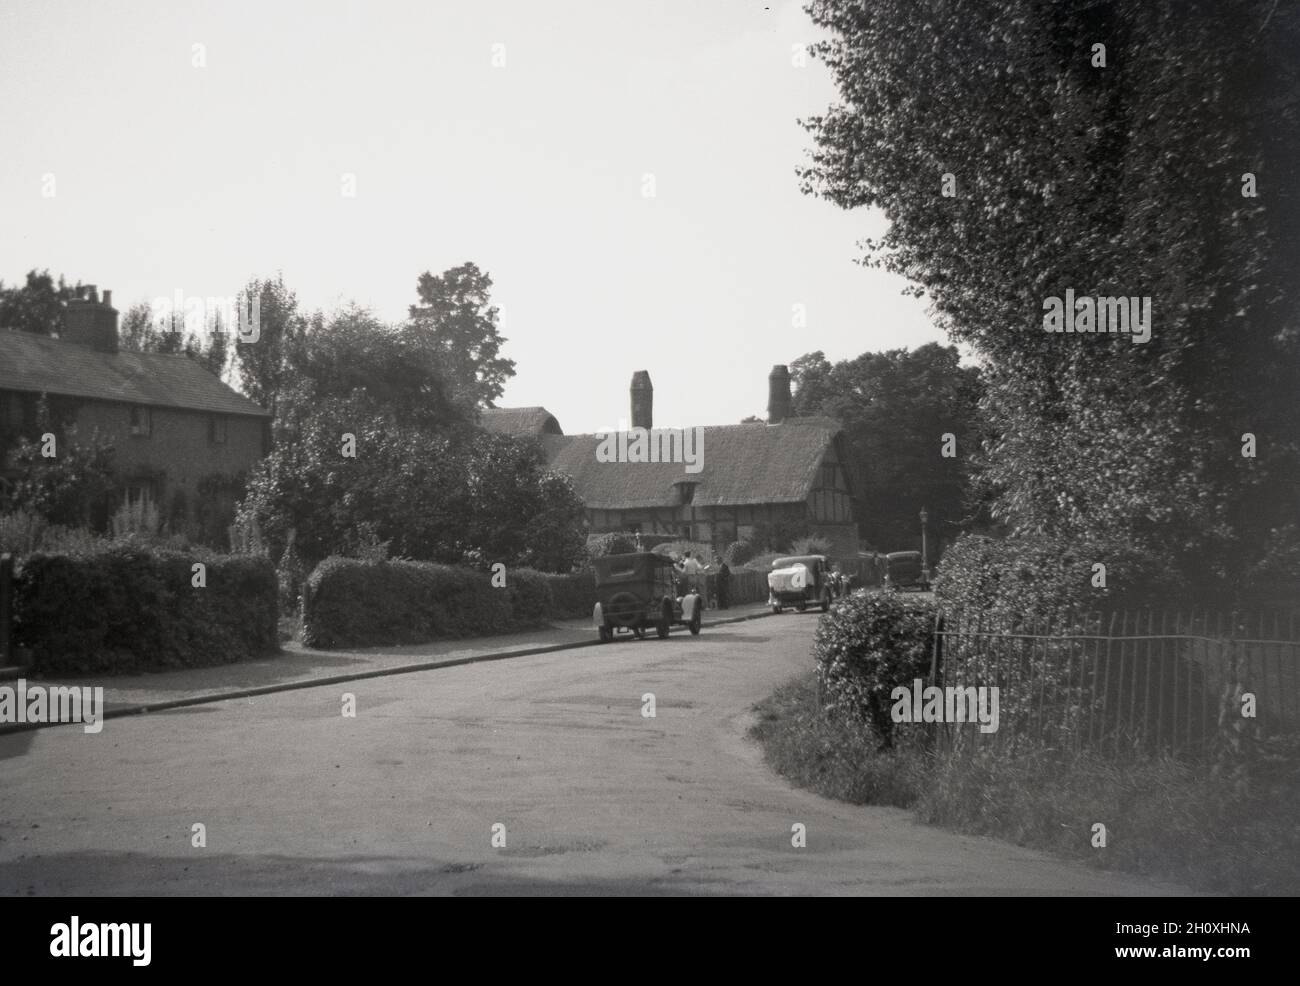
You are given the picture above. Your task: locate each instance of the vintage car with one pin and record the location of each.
(903, 570)
(799, 581)
(639, 590)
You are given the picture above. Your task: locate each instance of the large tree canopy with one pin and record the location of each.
(1123, 172)
(896, 408)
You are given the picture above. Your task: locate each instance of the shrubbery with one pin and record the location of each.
(122, 607)
(1016, 580)
(868, 644)
(615, 543)
(351, 603)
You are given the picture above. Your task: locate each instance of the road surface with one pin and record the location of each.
(552, 750)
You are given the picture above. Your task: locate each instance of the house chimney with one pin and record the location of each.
(643, 394)
(778, 394)
(89, 322)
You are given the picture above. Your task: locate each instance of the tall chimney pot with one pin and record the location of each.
(778, 394)
(642, 400)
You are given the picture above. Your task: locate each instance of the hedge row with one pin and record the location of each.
(124, 608)
(352, 603)
(1015, 580)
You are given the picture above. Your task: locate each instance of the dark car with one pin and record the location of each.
(637, 591)
(903, 570)
(799, 581)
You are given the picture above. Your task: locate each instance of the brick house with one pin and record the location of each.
(181, 436)
(789, 470)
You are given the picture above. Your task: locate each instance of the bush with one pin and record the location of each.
(120, 607)
(868, 644)
(573, 596)
(815, 545)
(351, 603)
(616, 543)
(1015, 580)
(739, 552)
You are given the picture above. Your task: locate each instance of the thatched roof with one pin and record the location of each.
(520, 422)
(742, 465)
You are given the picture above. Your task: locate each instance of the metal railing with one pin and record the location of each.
(1155, 683)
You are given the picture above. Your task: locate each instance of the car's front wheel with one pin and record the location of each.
(606, 635)
(696, 620)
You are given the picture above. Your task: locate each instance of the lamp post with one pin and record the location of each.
(925, 554)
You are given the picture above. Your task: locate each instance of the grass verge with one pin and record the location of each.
(1163, 819)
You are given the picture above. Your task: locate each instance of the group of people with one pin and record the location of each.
(690, 577)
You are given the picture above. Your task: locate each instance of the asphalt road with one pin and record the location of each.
(403, 799)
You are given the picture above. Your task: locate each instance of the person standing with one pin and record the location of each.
(692, 570)
(724, 586)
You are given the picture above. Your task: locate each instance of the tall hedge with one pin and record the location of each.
(1015, 580)
(123, 608)
(352, 603)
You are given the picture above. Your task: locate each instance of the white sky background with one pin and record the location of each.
(170, 176)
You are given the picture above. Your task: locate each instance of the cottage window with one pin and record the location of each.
(141, 421)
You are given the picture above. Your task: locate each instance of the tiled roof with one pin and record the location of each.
(742, 465)
(520, 422)
(41, 364)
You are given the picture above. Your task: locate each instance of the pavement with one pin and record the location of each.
(301, 667)
(541, 774)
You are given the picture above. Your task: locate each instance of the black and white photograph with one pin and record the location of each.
(593, 449)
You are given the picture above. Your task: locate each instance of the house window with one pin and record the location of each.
(141, 421)
(217, 430)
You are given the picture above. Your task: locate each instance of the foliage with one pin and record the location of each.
(895, 407)
(1124, 180)
(868, 644)
(351, 603)
(266, 367)
(455, 326)
(136, 516)
(37, 306)
(114, 608)
(815, 545)
(616, 543)
(65, 489)
(1039, 578)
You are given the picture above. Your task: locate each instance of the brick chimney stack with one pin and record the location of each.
(643, 394)
(778, 394)
(89, 322)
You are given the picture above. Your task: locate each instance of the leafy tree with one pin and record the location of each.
(266, 367)
(1128, 178)
(896, 406)
(455, 325)
(68, 488)
(36, 306)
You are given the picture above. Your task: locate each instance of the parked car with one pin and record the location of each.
(799, 581)
(903, 570)
(639, 590)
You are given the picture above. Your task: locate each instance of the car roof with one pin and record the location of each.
(789, 560)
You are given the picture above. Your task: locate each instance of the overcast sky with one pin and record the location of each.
(169, 176)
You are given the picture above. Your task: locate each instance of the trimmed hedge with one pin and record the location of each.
(1014, 580)
(124, 608)
(573, 596)
(353, 603)
(868, 644)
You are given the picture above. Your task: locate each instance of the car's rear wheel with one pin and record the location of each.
(696, 619)
(776, 609)
(606, 635)
(665, 620)
(800, 606)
